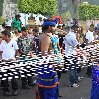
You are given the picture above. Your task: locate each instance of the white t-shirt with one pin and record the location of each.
(8, 49)
(39, 22)
(70, 42)
(90, 36)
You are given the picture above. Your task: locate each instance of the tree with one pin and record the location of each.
(74, 8)
(66, 16)
(1, 7)
(87, 11)
(45, 7)
(94, 2)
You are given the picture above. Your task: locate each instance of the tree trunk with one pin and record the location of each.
(74, 7)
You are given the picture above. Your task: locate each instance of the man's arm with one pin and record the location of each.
(63, 47)
(17, 53)
(16, 49)
(74, 41)
(58, 47)
(50, 48)
(1, 49)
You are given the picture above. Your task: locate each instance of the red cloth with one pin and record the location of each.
(60, 19)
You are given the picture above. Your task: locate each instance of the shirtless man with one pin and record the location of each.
(45, 43)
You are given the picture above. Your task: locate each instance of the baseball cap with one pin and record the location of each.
(49, 23)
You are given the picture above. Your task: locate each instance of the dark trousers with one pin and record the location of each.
(5, 85)
(26, 81)
(89, 71)
(78, 69)
(59, 74)
(73, 75)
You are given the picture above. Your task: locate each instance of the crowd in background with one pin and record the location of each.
(16, 40)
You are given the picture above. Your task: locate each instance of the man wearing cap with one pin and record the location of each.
(48, 28)
(9, 50)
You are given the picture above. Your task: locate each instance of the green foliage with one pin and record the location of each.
(87, 11)
(66, 16)
(45, 7)
(1, 20)
(95, 2)
(1, 7)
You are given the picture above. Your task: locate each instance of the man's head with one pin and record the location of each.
(74, 19)
(91, 27)
(8, 28)
(40, 18)
(67, 29)
(16, 30)
(75, 28)
(24, 31)
(18, 17)
(48, 26)
(6, 35)
(35, 32)
(30, 30)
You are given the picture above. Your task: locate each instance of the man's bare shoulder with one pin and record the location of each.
(45, 36)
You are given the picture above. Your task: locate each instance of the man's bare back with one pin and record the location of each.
(45, 42)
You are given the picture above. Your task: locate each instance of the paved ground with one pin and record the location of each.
(83, 92)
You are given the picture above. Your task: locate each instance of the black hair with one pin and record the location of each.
(59, 26)
(35, 30)
(8, 28)
(19, 31)
(74, 27)
(63, 25)
(16, 28)
(6, 33)
(16, 16)
(23, 29)
(74, 18)
(67, 28)
(44, 28)
(40, 17)
(3, 25)
(92, 25)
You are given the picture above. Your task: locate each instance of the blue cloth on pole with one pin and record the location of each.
(95, 83)
(56, 20)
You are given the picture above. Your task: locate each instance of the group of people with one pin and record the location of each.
(16, 41)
